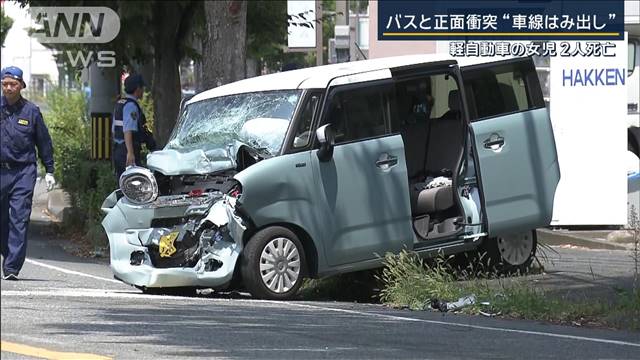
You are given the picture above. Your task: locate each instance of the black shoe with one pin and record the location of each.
(10, 276)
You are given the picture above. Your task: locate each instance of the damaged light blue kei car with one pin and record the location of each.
(320, 171)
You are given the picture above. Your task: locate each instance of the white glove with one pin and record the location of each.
(50, 180)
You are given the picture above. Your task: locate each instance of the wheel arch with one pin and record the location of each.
(309, 247)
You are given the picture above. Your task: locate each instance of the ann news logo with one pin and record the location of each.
(78, 25)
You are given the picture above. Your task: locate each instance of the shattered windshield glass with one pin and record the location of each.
(259, 120)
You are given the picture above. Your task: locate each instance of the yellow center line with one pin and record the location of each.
(47, 354)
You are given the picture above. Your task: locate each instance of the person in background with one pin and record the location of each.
(22, 130)
(129, 127)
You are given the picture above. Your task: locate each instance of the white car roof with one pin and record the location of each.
(318, 77)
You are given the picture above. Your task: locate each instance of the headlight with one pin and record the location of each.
(139, 185)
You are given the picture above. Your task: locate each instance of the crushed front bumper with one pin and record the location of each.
(130, 238)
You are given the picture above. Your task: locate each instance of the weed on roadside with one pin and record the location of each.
(411, 282)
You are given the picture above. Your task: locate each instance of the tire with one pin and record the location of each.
(276, 277)
(510, 254)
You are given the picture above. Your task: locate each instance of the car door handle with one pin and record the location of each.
(494, 142)
(387, 161)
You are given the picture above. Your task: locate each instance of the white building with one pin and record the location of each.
(37, 62)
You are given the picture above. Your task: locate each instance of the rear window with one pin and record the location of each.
(494, 90)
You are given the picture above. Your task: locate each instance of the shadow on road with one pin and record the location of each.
(44, 243)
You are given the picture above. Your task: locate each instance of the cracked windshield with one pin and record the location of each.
(259, 120)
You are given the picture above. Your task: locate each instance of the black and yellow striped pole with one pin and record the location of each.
(100, 136)
(105, 88)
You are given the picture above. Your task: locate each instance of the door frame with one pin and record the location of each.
(451, 67)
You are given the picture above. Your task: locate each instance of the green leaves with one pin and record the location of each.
(86, 181)
(5, 26)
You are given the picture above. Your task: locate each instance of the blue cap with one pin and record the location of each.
(13, 72)
(132, 82)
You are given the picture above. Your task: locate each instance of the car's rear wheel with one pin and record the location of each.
(511, 253)
(273, 264)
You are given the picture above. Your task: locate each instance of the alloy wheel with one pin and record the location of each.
(516, 249)
(280, 265)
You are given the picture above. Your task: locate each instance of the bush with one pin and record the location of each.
(147, 107)
(70, 132)
(86, 181)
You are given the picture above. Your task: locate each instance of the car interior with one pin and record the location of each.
(429, 118)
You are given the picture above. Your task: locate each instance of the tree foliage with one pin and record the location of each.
(5, 25)
(267, 23)
(153, 32)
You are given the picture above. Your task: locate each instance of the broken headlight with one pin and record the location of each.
(139, 185)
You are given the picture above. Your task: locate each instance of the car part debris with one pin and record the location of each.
(490, 312)
(445, 306)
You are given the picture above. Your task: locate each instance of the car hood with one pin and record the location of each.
(172, 162)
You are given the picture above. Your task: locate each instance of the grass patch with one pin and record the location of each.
(411, 282)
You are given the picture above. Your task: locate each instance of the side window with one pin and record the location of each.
(502, 89)
(357, 113)
(419, 99)
(303, 134)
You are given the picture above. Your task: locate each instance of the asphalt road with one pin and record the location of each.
(66, 304)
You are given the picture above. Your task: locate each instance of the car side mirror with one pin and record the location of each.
(327, 140)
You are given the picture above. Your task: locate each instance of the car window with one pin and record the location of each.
(420, 99)
(358, 113)
(501, 89)
(303, 132)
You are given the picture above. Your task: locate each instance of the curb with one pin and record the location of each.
(57, 204)
(559, 237)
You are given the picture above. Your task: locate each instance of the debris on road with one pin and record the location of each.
(445, 306)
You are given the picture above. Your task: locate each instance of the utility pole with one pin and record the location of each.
(104, 84)
(342, 12)
(319, 15)
(342, 32)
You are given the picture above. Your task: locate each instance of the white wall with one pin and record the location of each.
(590, 127)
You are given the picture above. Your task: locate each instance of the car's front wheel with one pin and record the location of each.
(273, 264)
(511, 253)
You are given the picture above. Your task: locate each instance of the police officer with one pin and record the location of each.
(22, 129)
(129, 127)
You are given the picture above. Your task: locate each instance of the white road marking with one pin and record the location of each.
(479, 327)
(70, 272)
(123, 294)
(95, 293)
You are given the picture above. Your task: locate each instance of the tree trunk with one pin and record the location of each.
(166, 77)
(146, 70)
(224, 49)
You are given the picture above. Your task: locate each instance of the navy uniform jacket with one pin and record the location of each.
(22, 129)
